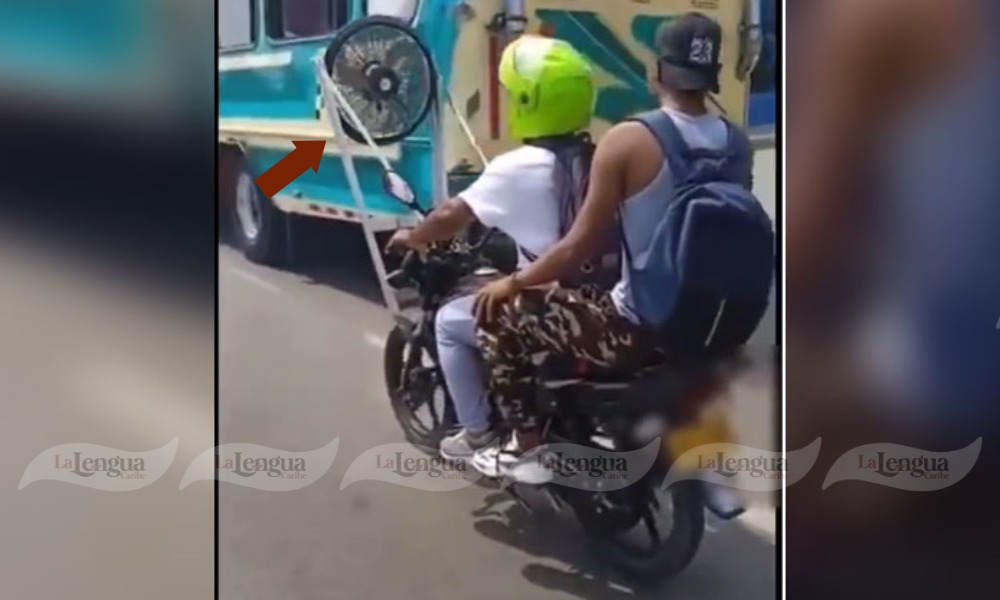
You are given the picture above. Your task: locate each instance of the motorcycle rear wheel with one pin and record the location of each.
(672, 554)
(407, 399)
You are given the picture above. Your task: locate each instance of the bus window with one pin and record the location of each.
(404, 10)
(297, 19)
(236, 24)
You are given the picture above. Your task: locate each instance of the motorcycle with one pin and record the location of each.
(598, 411)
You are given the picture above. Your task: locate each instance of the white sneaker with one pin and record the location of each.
(507, 460)
(461, 445)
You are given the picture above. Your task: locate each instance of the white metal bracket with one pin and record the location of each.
(334, 99)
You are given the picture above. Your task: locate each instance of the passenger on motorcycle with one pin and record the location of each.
(551, 97)
(523, 319)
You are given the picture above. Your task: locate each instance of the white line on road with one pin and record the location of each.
(761, 519)
(375, 341)
(256, 280)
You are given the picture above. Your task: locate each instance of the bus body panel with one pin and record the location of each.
(269, 96)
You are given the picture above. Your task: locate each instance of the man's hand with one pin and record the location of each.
(445, 222)
(493, 296)
(401, 240)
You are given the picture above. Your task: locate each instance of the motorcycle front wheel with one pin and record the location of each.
(418, 395)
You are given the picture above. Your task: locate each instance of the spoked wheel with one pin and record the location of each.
(386, 76)
(419, 397)
(647, 533)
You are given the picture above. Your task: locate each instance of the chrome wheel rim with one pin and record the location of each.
(247, 210)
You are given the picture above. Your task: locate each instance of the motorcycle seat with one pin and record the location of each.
(603, 386)
(557, 372)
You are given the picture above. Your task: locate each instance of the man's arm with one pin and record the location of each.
(444, 222)
(605, 193)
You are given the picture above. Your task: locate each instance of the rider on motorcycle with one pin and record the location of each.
(551, 98)
(632, 182)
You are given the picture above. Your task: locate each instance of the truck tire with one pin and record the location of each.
(259, 227)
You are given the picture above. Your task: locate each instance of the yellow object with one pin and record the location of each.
(711, 428)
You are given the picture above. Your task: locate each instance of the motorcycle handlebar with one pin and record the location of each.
(409, 259)
(412, 258)
(486, 238)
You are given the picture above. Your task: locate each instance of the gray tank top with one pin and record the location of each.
(642, 213)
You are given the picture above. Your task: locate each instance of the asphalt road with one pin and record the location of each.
(89, 354)
(300, 365)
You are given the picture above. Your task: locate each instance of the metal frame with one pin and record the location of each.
(334, 99)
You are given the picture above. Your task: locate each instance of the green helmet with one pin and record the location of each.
(550, 88)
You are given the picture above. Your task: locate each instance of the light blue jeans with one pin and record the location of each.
(461, 362)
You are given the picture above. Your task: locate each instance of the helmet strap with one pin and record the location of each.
(559, 140)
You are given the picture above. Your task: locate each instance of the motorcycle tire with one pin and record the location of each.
(427, 439)
(674, 553)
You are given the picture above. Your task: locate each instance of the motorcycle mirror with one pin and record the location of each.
(400, 189)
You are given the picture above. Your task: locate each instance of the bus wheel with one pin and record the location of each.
(259, 226)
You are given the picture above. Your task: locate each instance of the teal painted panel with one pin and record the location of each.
(290, 92)
(282, 92)
(591, 36)
(87, 43)
(330, 186)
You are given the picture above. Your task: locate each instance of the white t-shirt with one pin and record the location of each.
(517, 194)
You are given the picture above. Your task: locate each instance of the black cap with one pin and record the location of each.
(689, 53)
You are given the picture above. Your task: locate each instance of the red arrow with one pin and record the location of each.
(306, 155)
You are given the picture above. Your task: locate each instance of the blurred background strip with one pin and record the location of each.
(107, 289)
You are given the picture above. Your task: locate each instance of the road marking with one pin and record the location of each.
(375, 341)
(761, 519)
(256, 280)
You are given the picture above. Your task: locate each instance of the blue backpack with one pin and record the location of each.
(705, 278)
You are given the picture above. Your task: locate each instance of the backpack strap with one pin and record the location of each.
(679, 154)
(528, 254)
(740, 154)
(675, 149)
